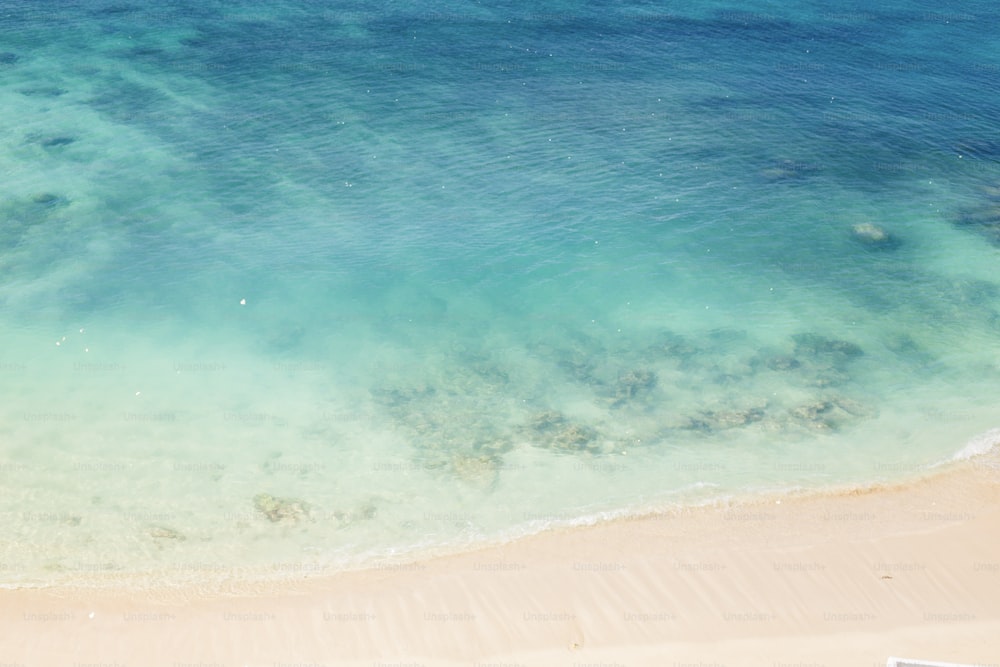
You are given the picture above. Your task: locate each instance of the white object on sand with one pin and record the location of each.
(906, 662)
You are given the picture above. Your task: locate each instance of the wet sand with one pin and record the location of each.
(851, 577)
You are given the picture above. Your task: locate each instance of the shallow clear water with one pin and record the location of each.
(289, 288)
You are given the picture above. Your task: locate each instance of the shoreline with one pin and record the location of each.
(906, 569)
(277, 576)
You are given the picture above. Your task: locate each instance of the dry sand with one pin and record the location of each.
(832, 579)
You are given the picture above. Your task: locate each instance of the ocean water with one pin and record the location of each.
(300, 286)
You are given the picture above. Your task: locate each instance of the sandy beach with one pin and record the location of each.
(823, 579)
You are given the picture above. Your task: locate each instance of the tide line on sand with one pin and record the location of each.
(838, 578)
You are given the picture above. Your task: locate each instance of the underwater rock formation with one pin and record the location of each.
(573, 437)
(581, 370)
(984, 219)
(551, 429)
(830, 413)
(814, 413)
(546, 421)
(164, 533)
(479, 470)
(478, 465)
(364, 512)
(490, 374)
(453, 425)
(719, 420)
(631, 384)
(831, 349)
(45, 198)
(280, 509)
(53, 142)
(815, 360)
(42, 91)
(822, 361)
(782, 362)
(873, 236)
(674, 346)
(829, 377)
(399, 397)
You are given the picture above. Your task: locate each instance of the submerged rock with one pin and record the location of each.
(830, 413)
(727, 336)
(364, 512)
(719, 420)
(855, 408)
(783, 362)
(45, 198)
(675, 346)
(574, 437)
(815, 345)
(398, 397)
(985, 215)
(631, 384)
(984, 219)
(869, 233)
(812, 412)
(280, 509)
(8, 58)
(578, 369)
(141, 51)
(829, 377)
(546, 421)
(553, 430)
(164, 533)
(480, 470)
(904, 346)
(53, 142)
(874, 236)
(495, 447)
(42, 91)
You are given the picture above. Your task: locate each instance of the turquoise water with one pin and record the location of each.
(297, 287)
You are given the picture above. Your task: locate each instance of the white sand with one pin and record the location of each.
(834, 579)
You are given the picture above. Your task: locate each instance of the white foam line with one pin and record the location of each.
(979, 444)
